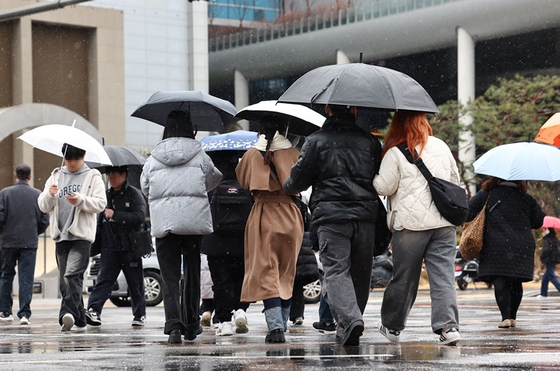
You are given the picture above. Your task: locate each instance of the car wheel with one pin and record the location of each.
(152, 288)
(120, 301)
(312, 292)
(462, 283)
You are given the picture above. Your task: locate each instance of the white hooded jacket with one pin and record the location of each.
(409, 202)
(176, 179)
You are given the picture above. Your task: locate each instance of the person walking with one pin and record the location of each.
(339, 161)
(73, 196)
(230, 205)
(274, 231)
(550, 256)
(507, 256)
(21, 223)
(420, 232)
(176, 178)
(125, 213)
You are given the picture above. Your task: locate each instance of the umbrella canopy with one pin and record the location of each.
(239, 140)
(207, 112)
(120, 156)
(301, 120)
(362, 85)
(551, 222)
(521, 161)
(50, 138)
(550, 131)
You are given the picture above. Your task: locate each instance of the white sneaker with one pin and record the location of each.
(391, 335)
(225, 329)
(67, 322)
(240, 320)
(6, 317)
(449, 337)
(24, 320)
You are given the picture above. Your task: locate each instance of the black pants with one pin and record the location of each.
(180, 306)
(227, 275)
(508, 293)
(298, 301)
(112, 262)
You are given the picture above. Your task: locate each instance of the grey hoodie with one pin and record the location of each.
(176, 178)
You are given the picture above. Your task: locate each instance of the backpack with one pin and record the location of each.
(230, 206)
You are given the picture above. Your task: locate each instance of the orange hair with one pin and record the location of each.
(408, 126)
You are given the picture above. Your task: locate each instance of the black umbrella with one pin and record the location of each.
(208, 113)
(362, 85)
(120, 156)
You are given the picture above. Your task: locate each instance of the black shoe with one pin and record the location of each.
(275, 336)
(191, 335)
(175, 337)
(323, 327)
(93, 318)
(352, 335)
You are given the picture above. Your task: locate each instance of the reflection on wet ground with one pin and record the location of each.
(532, 345)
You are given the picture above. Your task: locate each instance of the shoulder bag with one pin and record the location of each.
(473, 235)
(140, 242)
(449, 198)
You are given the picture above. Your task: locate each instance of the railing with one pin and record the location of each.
(273, 31)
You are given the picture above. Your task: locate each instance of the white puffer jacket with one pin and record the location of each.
(176, 179)
(410, 204)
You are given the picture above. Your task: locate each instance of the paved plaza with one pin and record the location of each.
(533, 345)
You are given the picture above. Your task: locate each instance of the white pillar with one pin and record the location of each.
(341, 57)
(466, 93)
(241, 88)
(198, 46)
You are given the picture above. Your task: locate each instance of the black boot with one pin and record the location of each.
(275, 336)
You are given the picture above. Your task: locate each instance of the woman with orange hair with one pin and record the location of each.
(420, 232)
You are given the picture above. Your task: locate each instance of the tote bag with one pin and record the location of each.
(473, 235)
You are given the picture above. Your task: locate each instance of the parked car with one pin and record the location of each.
(312, 291)
(120, 295)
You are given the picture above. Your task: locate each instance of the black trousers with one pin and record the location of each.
(112, 262)
(181, 304)
(227, 275)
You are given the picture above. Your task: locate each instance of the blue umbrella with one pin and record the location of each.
(239, 140)
(521, 161)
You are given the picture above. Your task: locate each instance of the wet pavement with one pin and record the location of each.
(534, 344)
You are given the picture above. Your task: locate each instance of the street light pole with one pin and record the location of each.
(36, 8)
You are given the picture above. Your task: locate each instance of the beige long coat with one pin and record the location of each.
(274, 231)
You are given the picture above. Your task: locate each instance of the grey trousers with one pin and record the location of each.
(346, 252)
(436, 247)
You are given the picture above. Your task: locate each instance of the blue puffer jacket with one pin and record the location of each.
(339, 161)
(176, 178)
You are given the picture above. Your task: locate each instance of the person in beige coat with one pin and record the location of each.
(274, 230)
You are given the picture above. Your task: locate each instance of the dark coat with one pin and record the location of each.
(509, 246)
(230, 244)
(551, 250)
(130, 213)
(339, 161)
(21, 220)
(307, 269)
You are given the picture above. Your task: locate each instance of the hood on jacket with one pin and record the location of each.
(176, 151)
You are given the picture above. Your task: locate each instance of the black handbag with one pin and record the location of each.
(449, 198)
(383, 234)
(140, 243)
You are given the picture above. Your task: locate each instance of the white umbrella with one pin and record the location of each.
(50, 138)
(301, 120)
(521, 161)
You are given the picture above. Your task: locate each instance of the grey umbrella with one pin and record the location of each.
(120, 156)
(207, 112)
(362, 85)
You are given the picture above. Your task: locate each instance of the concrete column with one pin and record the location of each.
(341, 57)
(241, 87)
(465, 94)
(198, 45)
(22, 81)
